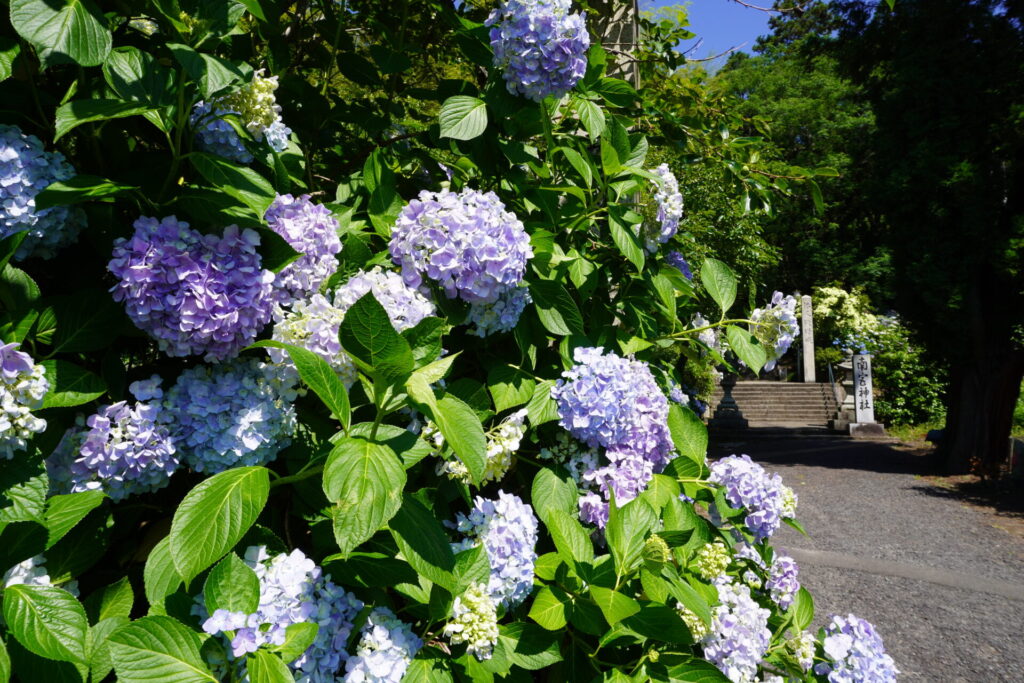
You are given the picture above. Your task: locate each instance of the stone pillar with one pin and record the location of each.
(807, 336)
(616, 24)
(728, 414)
(864, 425)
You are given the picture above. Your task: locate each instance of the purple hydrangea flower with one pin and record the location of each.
(405, 306)
(855, 653)
(778, 327)
(26, 168)
(121, 450)
(678, 261)
(507, 528)
(386, 647)
(749, 486)
(195, 294)
(23, 385)
(739, 635)
(255, 106)
(501, 315)
(229, 415)
(467, 243)
(783, 583)
(217, 136)
(670, 210)
(311, 230)
(540, 46)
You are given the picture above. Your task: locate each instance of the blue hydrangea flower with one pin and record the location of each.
(678, 261)
(194, 294)
(540, 46)
(467, 243)
(777, 327)
(121, 450)
(749, 486)
(783, 583)
(739, 635)
(26, 168)
(670, 210)
(385, 648)
(256, 107)
(507, 528)
(217, 136)
(311, 230)
(855, 653)
(23, 385)
(501, 315)
(405, 306)
(228, 415)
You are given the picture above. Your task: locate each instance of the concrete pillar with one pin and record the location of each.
(616, 24)
(807, 337)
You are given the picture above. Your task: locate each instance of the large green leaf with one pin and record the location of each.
(424, 544)
(551, 608)
(552, 493)
(157, 648)
(319, 376)
(86, 321)
(63, 512)
(79, 188)
(571, 540)
(365, 481)
(214, 516)
(689, 434)
(211, 73)
(720, 282)
(138, 76)
(626, 532)
(115, 600)
(592, 118)
(264, 667)
(76, 28)
(802, 609)
(77, 112)
(457, 422)
(5, 663)
(556, 308)
(232, 585)
(463, 117)
(9, 51)
(368, 335)
(240, 182)
(626, 239)
(48, 621)
(70, 385)
(509, 386)
(100, 663)
(160, 576)
(614, 605)
(746, 347)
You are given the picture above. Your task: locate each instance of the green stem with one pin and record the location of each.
(549, 136)
(301, 475)
(687, 333)
(179, 131)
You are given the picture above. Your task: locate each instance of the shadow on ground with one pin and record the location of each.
(1006, 497)
(830, 452)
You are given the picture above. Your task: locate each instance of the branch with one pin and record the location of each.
(720, 54)
(799, 7)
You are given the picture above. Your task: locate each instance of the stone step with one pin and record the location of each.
(782, 403)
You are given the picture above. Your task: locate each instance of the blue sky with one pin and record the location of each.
(722, 24)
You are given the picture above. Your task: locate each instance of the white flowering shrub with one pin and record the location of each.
(397, 391)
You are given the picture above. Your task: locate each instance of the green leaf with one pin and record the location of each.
(47, 621)
(463, 117)
(802, 609)
(557, 311)
(457, 422)
(76, 28)
(614, 605)
(75, 113)
(819, 201)
(626, 239)
(696, 671)
(9, 51)
(689, 434)
(86, 321)
(626, 532)
(5, 662)
(116, 600)
(297, 639)
(592, 118)
(210, 72)
(532, 647)
(100, 663)
(365, 481)
(550, 608)
(660, 489)
(214, 516)
(423, 543)
(571, 540)
(318, 376)
(552, 493)
(581, 165)
(160, 577)
(686, 595)
(63, 512)
(367, 334)
(137, 76)
(616, 91)
(264, 667)
(509, 386)
(70, 385)
(660, 622)
(241, 182)
(720, 282)
(23, 488)
(747, 347)
(542, 408)
(232, 585)
(157, 648)
(80, 188)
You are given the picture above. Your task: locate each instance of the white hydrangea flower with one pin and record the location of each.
(474, 621)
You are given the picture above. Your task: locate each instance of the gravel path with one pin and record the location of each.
(943, 585)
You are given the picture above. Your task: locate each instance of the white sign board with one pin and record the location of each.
(865, 410)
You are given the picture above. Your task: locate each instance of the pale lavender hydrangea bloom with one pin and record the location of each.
(217, 136)
(678, 261)
(314, 326)
(750, 487)
(26, 168)
(507, 528)
(540, 46)
(739, 635)
(783, 583)
(228, 415)
(23, 385)
(311, 230)
(32, 572)
(855, 653)
(467, 243)
(501, 315)
(257, 110)
(670, 209)
(778, 328)
(405, 306)
(195, 294)
(121, 450)
(386, 647)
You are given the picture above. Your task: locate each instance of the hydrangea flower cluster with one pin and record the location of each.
(405, 306)
(500, 315)
(712, 560)
(32, 572)
(474, 621)
(26, 169)
(678, 261)
(23, 385)
(121, 450)
(502, 443)
(229, 415)
(801, 646)
(855, 653)
(507, 529)
(385, 648)
(783, 584)
(540, 46)
(311, 230)
(195, 294)
(776, 327)
(256, 106)
(467, 243)
(696, 625)
(670, 211)
(739, 635)
(313, 325)
(749, 486)
(708, 337)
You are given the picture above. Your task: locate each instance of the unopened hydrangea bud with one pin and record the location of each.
(312, 231)
(776, 327)
(712, 560)
(696, 625)
(801, 646)
(670, 209)
(789, 502)
(502, 443)
(23, 385)
(386, 647)
(854, 652)
(656, 549)
(474, 622)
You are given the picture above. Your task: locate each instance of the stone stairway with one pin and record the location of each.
(783, 404)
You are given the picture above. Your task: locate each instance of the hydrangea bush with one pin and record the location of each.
(401, 394)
